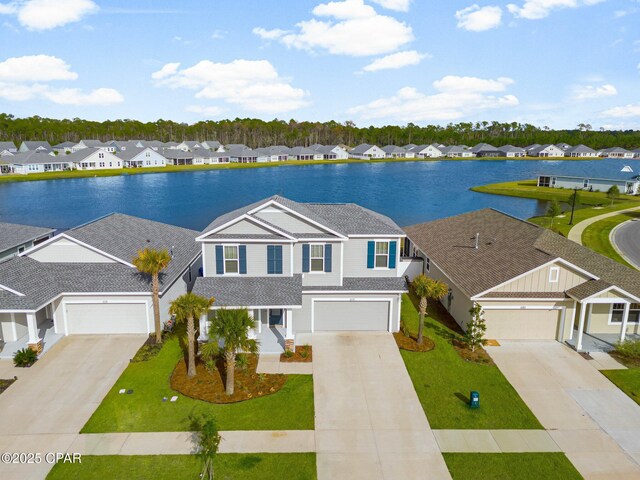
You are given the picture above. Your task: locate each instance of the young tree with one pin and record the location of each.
(186, 308)
(152, 262)
(231, 327)
(427, 289)
(613, 193)
(208, 438)
(476, 328)
(553, 210)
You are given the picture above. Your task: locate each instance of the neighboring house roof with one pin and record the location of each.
(32, 157)
(510, 148)
(64, 145)
(615, 150)
(7, 146)
(394, 149)
(508, 247)
(362, 148)
(82, 154)
(131, 153)
(93, 143)
(33, 144)
(13, 235)
(245, 291)
(452, 149)
(211, 143)
(235, 146)
(482, 147)
(175, 154)
(540, 148)
(302, 151)
(579, 149)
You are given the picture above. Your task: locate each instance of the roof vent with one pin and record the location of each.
(477, 240)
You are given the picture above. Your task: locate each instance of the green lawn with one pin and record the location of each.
(626, 380)
(597, 235)
(229, 466)
(510, 466)
(443, 380)
(144, 411)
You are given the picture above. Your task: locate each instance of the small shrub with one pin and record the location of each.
(403, 328)
(288, 353)
(628, 349)
(25, 357)
(304, 351)
(147, 351)
(242, 361)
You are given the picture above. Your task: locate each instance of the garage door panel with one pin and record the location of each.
(351, 316)
(522, 324)
(105, 318)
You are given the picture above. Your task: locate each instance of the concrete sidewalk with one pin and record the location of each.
(575, 234)
(270, 363)
(495, 441)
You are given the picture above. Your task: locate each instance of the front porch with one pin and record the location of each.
(273, 329)
(45, 332)
(598, 342)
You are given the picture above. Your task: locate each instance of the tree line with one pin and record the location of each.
(259, 133)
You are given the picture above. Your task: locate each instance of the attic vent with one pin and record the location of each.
(477, 240)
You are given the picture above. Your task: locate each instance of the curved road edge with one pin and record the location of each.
(627, 246)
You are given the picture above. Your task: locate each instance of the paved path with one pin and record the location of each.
(270, 363)
(369, 422)
(575, 234)
(587, 416)
(44, 410)
(495, 441)
(625, 238)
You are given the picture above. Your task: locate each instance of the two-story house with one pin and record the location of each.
(302, 268)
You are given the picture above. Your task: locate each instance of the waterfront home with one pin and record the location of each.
(563, 146)
(30, 146)
(7, 148)
(15, 239)
(213, 145)
(246, 155)
(82, 281)
(36, 161)
(510, 151)
(141, 157)
(96, 144)
(484, 150)
(393, 151)
(305, 267)
(331, 152)
(177, 156)
(275, 153)
(189, 145)
(545, 151)
(304, 153)
(531, 283)
(627, 184)
(456, 151)
(122, 145)
(616, 152)
(365, 151)
(235, 146)
(63, 148)
(203, 156)
(580, 151)
(93, 159)
(427, 151)
(528, 148)
(636, 153)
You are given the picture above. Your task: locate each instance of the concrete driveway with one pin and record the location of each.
(369, 422)
(591, 420)
(44, 410)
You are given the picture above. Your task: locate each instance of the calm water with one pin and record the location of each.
(409, 192)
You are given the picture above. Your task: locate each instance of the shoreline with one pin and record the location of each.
(229, 166)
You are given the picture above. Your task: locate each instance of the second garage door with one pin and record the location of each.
(522, 324)
(96, 318)
(351, 315)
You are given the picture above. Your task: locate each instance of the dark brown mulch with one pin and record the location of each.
(6, 383)
(480, 355)
(626, 361)
(410, 343)
(303, 353)
(210, 385)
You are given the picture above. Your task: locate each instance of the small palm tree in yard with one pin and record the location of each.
(231, 328)
(153, 262)
(427, 289)
(186, 308)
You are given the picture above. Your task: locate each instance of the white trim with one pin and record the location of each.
(337, 292)
(523, 299)
(218, 241)
(11, 290)
(245, 216)
(393, 235)
(316, 258)
(14, 329)
(64, 304)
(522, 307)
(554, 274)
(257, 307)
(204, 261)
(291, 247)
(341, 264)
(78, 242)
(399, 310)
(627, 307)
(224, 259)
(593, 298)
(342, 299)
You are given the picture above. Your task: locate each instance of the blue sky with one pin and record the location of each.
(552, 63)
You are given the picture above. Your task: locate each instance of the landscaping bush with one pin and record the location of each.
(629, 349)
(147, 351)
(25, 357)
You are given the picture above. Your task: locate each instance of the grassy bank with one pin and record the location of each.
(598, 236)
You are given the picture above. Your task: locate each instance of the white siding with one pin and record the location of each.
(67, 251)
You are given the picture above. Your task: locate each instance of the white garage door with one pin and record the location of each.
(356, 315)
(522, 324)
(93, 318)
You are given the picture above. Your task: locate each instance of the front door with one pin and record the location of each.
(275, 317)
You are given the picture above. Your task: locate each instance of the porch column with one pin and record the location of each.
(583, 309)
(625, 320)
(260, 321)
(35, 343)
(252, 331)
(204, 328)
(289, 343)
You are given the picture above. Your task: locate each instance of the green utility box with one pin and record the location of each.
(474, 399)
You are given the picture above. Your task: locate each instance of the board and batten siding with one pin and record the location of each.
(256, 259)
(459, 304)
(287, 221)
(538, 281)
(65, 251)
(355, 258)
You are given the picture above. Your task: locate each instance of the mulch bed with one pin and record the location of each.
(148, 350)
(303, 353)
(480, 356)
(410, 343)
(5, 383)
(625, 360)
(210, 385)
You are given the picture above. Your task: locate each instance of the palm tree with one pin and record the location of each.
(427, 288)
(232, 328)
(187, 308)
(152, 262)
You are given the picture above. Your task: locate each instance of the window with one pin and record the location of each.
(101, 164)
(317, 258)
(617, 312)
(544, 181)
(585, 183)
(554, 274)
(427, 264)
(147, 154)
(231, 260)
(382, 254)
(111, 164)
(101, 155)
(20, 249)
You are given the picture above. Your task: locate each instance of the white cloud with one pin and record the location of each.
(398, 5)
(206, 111)
(626, 111)
(457, 98)
(35, 68)
(479, 19)
(218, 34)
(48, 14)
(589, 92)
(396, 60)
(351, 28)
(28, 77)
(254, 85)
(537, 9)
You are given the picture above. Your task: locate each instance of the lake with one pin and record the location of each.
(408, 192)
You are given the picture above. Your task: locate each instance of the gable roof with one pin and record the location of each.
(393, 149)
(580, 149)
(7, 146)
(36, 157)
(33, 144)
(131, 152)
(13, 235)
(362, 148)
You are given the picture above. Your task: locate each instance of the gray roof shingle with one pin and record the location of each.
(242, 291)
(377, 284)
(13, 235)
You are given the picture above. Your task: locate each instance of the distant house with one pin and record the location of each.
(547, 150)
(276, 153)
(426, 151)
(409, 146)
(15, 239)
(122, 145)
(7, 148)
(93, 159)
(144, 157)
(456, 151)
(36, 161)
(213, 145)
(235, 146)
(365, 151)
(393, 151)
(616, 152)
(484, 150)
(629, 185)
(304, 153)
(30, 146)
(580, 151)
(509, 151)
(82, 144)
(563, 146)
(246, 155)
(189, 145)
(528, 148)
(176, 156)
(636, 153)
(331, 152)
(64, 148)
